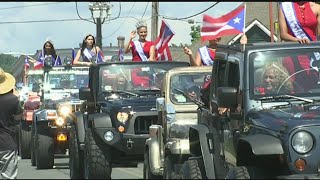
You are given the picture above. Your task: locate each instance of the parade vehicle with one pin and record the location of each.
(59, 97)
(30, 99)
(167, 146)
(119, 107)
(263, 116)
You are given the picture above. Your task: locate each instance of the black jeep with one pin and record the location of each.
(263, 117)
(119, 107)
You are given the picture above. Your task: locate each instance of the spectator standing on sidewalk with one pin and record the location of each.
(10, 110)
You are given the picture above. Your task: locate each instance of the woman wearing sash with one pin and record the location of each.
(89, 51)
(303, 19)
(299, 22)
(142, 50)
(205, 54)
(48, 50)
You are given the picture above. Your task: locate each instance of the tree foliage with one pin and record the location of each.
(195, 33)
(6, 62)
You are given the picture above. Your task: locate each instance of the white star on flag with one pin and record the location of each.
(236, 20)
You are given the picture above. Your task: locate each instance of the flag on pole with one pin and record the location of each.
(26, 62)
(100, 58)
(40, 61)
(228, 24)
(121, 55)
(73, 54)
(57, 61)
(161, 43)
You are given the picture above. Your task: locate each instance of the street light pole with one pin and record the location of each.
(100, 12)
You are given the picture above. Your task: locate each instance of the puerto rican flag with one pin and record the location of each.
(121, 55)
(161, 43)
(100, 58)
(26, 62)
(40, 61)
(57, 62)
(228, 24)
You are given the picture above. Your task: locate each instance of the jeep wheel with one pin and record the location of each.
(240, 172)
(168, 169)
(147, 174)
(191, 170)
(75, 156)
(44, 151)
(96, 162)
(24, 141)
(32, 148)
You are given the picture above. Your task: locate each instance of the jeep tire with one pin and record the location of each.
(168, 168)
(24, 140)
(191, 170)
(44, 151)
(75, 155)
(147, 174)
(240, 172)
(32, 147)
(96, 162)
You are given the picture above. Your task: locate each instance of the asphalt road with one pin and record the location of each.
(61, 171)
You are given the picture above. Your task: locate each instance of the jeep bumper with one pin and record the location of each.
(129, 144)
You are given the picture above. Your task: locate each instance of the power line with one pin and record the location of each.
(171, 18)
(79, 14)
(111, 19)
(122, 22)
(145, 10)
(39, 21)
(43, 4)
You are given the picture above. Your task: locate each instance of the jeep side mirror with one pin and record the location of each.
(160, 104)
(85, 93)
(227, 97)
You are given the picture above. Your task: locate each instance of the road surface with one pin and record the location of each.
(61, 171)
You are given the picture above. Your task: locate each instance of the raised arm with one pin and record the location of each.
(128, 47)
(188, 52)
(152, 53)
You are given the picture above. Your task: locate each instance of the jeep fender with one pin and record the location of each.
(79, 123)
(258, 144)
(100, 120)
(199, 146)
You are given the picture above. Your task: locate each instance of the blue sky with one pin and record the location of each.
(28, 37)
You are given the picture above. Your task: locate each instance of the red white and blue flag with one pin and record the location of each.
(100, 58)
(161, 43)
(228, 24)
(26, 62)
(121, 55)
(57, 61)
(40, 61)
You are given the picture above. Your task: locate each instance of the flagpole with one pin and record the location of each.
(244, 25)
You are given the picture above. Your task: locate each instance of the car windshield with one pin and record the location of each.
(286, 72)
(34, 82)
(134, 78)
(68, 79)
(186, 85)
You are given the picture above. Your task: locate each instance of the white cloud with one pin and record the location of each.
(28, 37)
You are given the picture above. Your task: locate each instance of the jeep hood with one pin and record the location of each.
(136, 103)
(285, 118)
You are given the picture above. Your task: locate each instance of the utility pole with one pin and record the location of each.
(154, 20)
(100, 11)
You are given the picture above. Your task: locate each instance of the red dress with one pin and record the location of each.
(140, 80)
(307, 19)
(146, 50)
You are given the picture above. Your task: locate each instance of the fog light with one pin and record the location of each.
(108, 136)
(59, 121)
(300, 164)
(121, 129)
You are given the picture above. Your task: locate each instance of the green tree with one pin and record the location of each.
(6, 62)
(195, 33)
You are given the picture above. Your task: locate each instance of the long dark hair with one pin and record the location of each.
(51, 52)
(84, 44)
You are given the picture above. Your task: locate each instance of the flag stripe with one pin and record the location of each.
(209, 36)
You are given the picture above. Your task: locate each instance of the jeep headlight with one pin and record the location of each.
(302, 142)
(60, 121)
(122, 117)
(65, 110)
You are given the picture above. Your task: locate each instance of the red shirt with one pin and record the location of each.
(146, 50)
(307, 20)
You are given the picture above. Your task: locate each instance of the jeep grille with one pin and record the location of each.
(142, 124)
(76, 107)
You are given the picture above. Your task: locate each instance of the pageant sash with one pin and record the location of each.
(139, 49)
(205, 56)
(88, 54)
(292, 22)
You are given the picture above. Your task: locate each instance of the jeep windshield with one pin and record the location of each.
(292, 72)
(133, 79)
(186, 86)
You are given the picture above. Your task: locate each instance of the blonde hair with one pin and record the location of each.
(281, 74)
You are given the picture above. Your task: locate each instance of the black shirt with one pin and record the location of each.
(9, 106)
